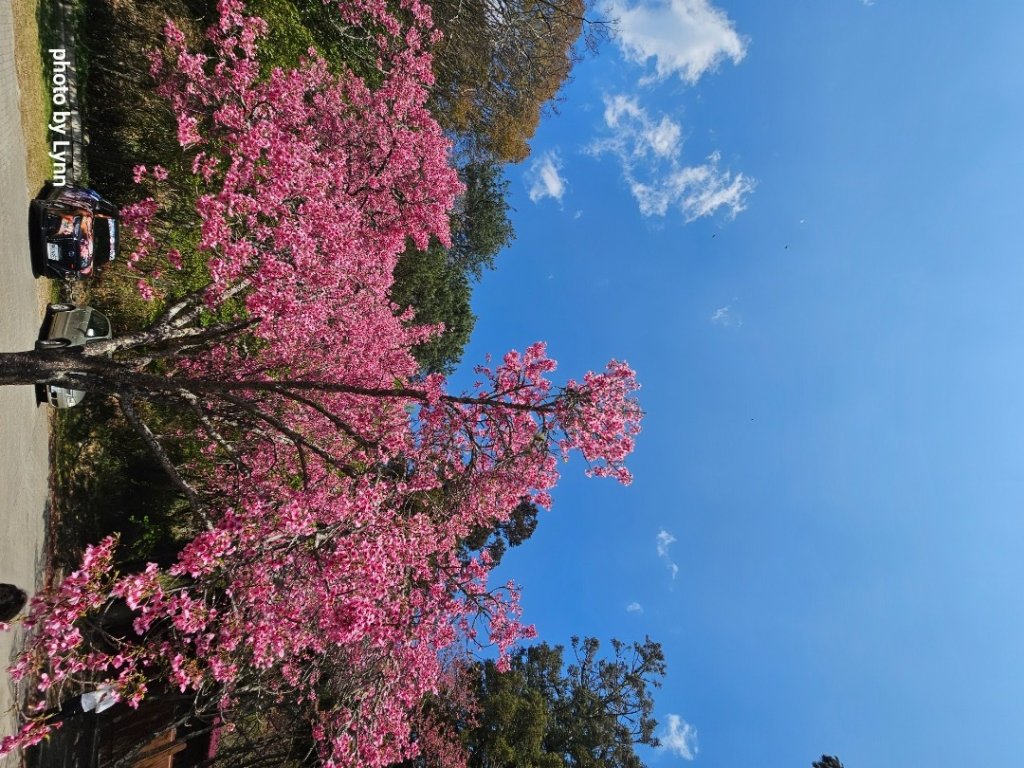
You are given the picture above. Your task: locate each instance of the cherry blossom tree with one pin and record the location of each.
(333, 486)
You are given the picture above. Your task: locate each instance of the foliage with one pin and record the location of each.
(438, 292)
(435, 283)
(126, 121)
(513, 721)
(110, 481)
(288, 39)
(499, 63)
(295, 26)
(335, 487)
(480, 223)
(544, 714)
(496, 539)
(827, 761)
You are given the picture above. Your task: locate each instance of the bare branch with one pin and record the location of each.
(128, 409)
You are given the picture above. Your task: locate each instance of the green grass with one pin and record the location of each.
(295, 26)
(34, 101)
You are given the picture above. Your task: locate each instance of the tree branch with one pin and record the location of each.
(128, 409)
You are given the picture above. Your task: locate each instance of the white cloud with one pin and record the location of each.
(664, 138)
(635, 134)
(701, 190)
(684, 37)
(679, 737)
(696, 190)
(664, 540)
(725, 317)
(634, 607)
(649, 150)
(544, 177)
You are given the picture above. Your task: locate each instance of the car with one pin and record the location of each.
(67, 327)
(72, 232)
(58, 397)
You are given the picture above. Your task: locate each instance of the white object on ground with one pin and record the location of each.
(100, 700)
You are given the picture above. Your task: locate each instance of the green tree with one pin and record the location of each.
(436, 282)
(480, 223)
(589, 713)
(827, 761)
(513, 719)
(498, 538)
(438, 292)
(500, 63)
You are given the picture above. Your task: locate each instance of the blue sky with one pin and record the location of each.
(801, 223)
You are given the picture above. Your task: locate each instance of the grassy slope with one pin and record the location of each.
(34, 103)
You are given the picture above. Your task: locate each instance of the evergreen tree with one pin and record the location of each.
(542, 713)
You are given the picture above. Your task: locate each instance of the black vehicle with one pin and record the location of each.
(73, 231)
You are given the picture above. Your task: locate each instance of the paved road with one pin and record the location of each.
(23, 427)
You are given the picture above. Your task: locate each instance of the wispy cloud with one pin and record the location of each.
(684, 37)
(634, 607)
(698, 190)
(635, 133)
(726, 317)
(679, 737)
(665, 539)
(649, 149)
(544, 177)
